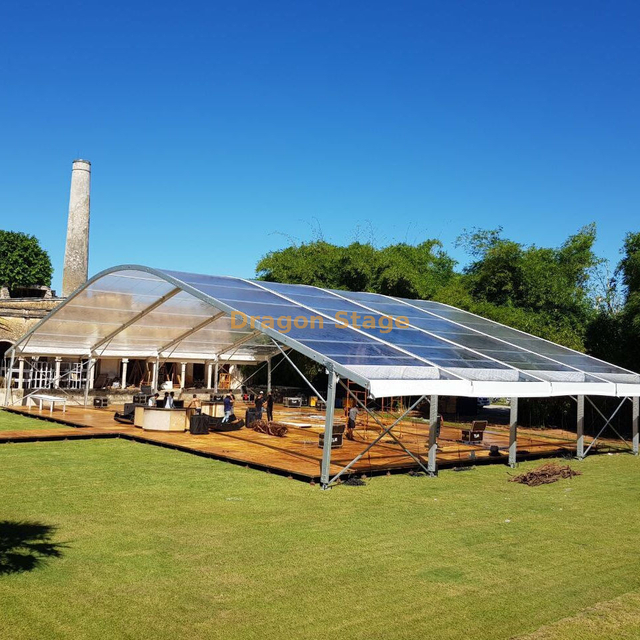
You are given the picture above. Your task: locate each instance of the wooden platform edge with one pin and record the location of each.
(404, 468)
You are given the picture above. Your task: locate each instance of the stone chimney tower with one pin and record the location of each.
(76, 254)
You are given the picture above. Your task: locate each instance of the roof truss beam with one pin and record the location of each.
(191, 331)
(145, 312)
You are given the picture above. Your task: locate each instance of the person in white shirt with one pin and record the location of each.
(169, 404)
(153, 400)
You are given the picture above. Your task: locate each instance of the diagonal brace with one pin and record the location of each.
(606, 424)
(604, 418)
(385, 431)
(415, 458)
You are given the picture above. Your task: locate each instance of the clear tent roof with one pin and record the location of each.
(392, 346)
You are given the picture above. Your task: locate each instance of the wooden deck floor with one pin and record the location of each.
(298, 453)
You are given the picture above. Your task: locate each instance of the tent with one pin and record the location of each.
(391, 346)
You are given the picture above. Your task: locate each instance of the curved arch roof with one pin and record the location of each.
(392, 346)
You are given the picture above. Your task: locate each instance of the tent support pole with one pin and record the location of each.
(269, 376)
(328, 427)
(580, 428)
(434, 427)
(513, 432)
(635, 423)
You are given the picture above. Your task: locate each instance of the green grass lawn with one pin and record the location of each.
(161, 544)
(14, 422)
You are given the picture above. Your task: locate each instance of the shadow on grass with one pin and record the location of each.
(25, 546)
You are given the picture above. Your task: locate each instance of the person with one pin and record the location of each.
(351, 423)
(153, 400)
(259, 403)
(195, 404)
(169, 401)
(270, 407)
(228, 407)
(165, 400)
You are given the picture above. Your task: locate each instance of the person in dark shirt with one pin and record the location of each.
(228, 407)
(270, 407)
(259, 403)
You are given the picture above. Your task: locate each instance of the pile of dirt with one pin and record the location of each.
(270, 428)
(353, 481)
(545, 474)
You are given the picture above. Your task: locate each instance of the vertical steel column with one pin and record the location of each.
(635, 425)
(216, 378)
(328, 427)
(269, 375)
(580, 428)
(434, 426)
(513, 432)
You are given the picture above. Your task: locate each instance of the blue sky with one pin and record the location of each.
(217, 131)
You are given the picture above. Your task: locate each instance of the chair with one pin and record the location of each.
(476, 433)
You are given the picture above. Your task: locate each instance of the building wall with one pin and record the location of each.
(19, 315)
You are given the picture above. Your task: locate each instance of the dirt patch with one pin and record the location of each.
(545, 474)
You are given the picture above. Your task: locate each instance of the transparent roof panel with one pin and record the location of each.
(534, 345)
(133, 310)
(382, 327)
(511, 355)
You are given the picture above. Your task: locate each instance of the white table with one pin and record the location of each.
(41, 399)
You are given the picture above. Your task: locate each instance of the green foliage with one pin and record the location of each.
(414, 271)
(540, 290)
(614, 334)
(629, 266)
(23, 262)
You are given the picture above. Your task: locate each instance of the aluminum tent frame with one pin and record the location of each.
(136, 311)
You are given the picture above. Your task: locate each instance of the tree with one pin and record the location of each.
(629, 321)
(614, 333)
(541, 290)
(413, 271)
(23, 262)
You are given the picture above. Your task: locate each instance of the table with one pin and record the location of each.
(42, 398)
(160, 419)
